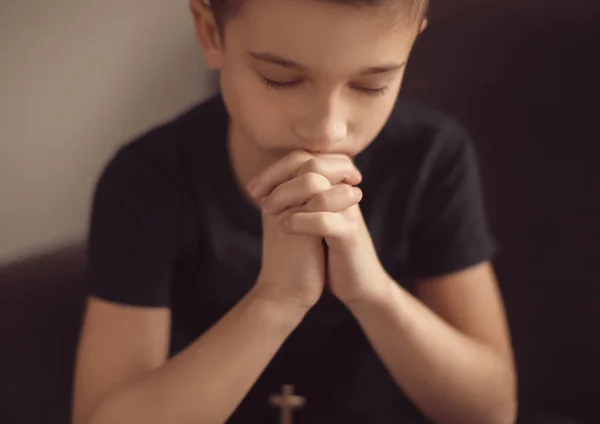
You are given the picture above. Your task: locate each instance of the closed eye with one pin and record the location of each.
(279, 85)
(372, 91)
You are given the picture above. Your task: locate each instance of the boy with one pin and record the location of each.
(232, 253)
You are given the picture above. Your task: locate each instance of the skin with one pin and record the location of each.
(329, 105)
(291, 149)
(328, 109)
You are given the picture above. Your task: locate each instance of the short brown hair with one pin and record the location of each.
(224, 10)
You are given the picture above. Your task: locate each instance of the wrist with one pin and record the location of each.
(378, 295)
(286, 312)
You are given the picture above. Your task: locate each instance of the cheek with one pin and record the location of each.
(370, 122)
(257, 111)
(265, 126)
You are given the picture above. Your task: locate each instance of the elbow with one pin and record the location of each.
(81, 414)
(500, 408)
(506, 410)
(507, 414)
(112, 410)
(100, 415)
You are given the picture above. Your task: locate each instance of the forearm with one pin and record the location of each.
(208, 380)
(451, 377)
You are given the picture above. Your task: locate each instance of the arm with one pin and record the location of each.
(118, 344)
(123, 375)
(450, 351)
(203, 384)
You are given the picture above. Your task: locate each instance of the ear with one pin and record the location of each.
(207, 32)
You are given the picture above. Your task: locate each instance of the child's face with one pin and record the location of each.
(312, 75)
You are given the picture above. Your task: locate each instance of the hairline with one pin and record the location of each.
(226, 10)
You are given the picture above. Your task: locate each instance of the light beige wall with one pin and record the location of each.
(77, 79)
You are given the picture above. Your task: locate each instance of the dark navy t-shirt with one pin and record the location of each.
(171, 228)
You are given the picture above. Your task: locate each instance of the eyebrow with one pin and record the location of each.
(286, 63)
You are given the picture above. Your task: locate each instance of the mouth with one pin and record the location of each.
(335, 152)
(279, 153)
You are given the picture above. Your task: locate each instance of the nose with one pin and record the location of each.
(322, 130)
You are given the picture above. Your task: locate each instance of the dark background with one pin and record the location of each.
(522, 75)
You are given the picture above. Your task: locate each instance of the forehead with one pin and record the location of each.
(321, 33)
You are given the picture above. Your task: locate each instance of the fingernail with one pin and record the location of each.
(357, 191)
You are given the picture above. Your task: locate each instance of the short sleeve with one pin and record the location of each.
(131, 239)
(449, 230)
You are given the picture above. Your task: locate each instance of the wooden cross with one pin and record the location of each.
(287, 401)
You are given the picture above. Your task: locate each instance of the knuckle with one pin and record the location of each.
(272, 202)
(348, 191)
(348, 160)
(259, 180)
(299, 160)
(315, 183)
(288, 222)
(352, 167)
(288, 217)
(322, 219)
(319, 203)
(345, 162)
(311, 165)
(275, 196)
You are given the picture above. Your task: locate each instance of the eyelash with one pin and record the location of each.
(283, 85)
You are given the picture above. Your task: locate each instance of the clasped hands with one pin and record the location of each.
(305, 199)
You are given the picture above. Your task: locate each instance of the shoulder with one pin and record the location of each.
(411, 113)
(143, 204)
(170, 140)
(420, 140)
(151, 184)
(428, 167)
(158, 158)
(431, 132)
(421, 145)
(142, 215)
